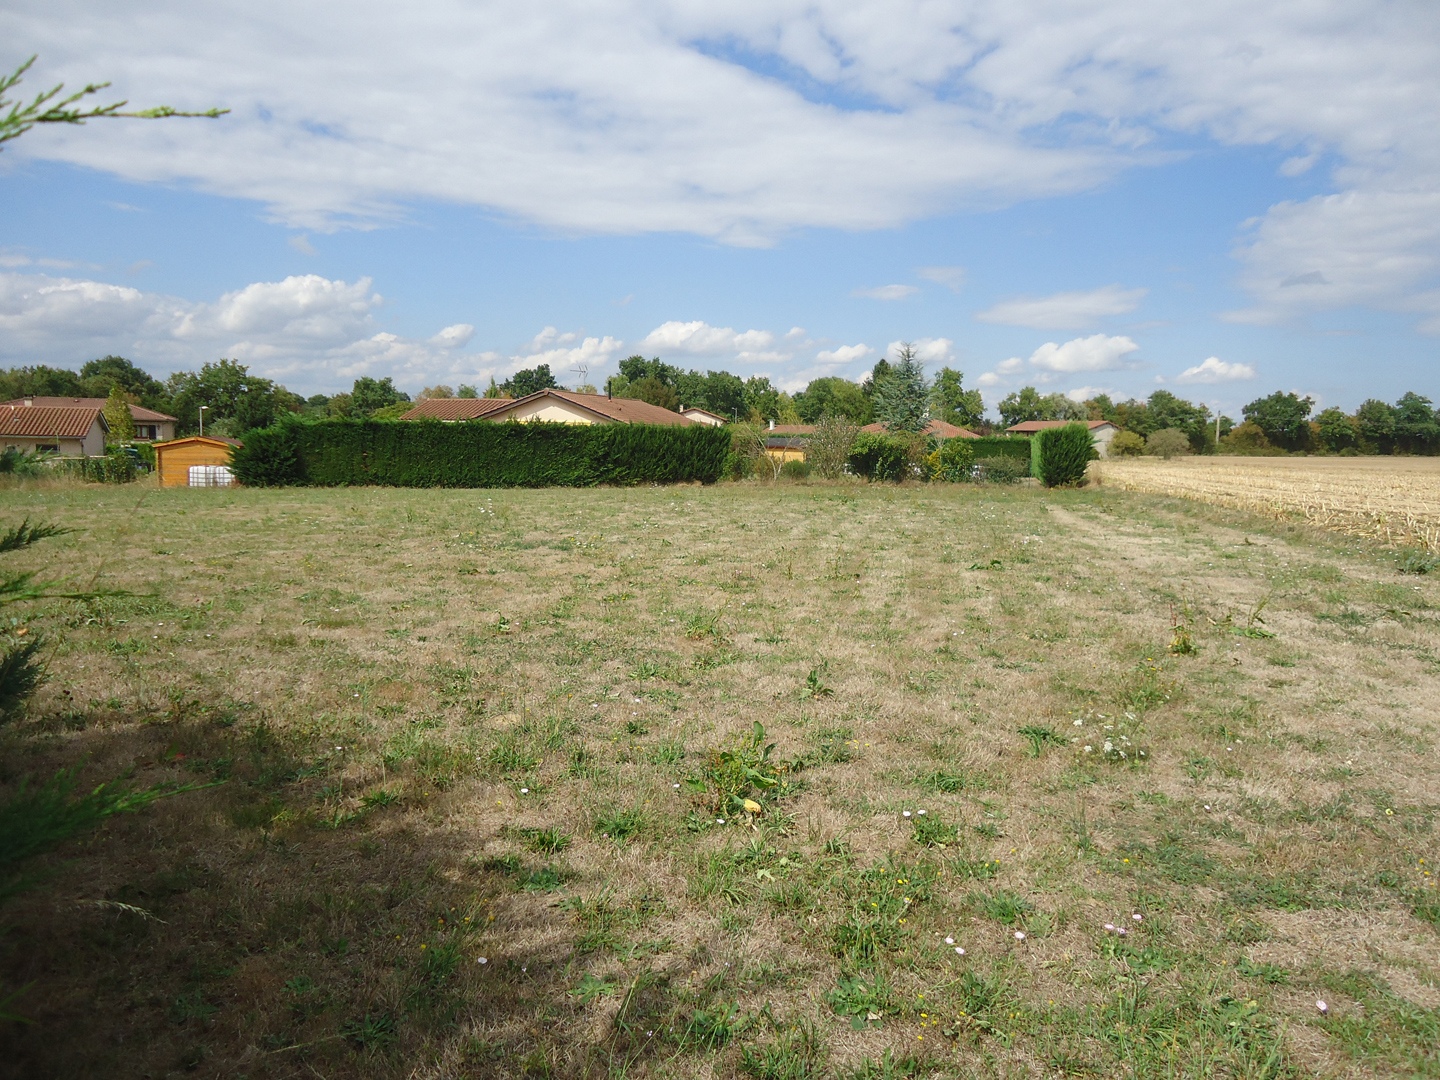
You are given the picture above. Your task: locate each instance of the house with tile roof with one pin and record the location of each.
(703, 416)
(1101, 431)
(73, 432)
(150, 426)
(938, 428)
(552, 406)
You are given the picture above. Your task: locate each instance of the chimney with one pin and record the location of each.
(29, 402)
(607, 390)
(772, 425)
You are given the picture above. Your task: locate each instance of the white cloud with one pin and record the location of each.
(1095, 353)
(533, 111)
(988, 379)
(952, 277)
(454, 337)
(302, 244)
(1013, 366)
(1215, 370)
(564, 352)
(310, 332)
(701, 339)
(845, 354)
(886, 292)
(928, 351)
(1065, 310)
(1085, 393)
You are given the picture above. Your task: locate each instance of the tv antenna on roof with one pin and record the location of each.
(584, 373)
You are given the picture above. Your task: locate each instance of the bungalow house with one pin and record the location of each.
(553, 406)
(1101, 431)
(73, 432)
(697, 415)
(786, 442)
(150, 426)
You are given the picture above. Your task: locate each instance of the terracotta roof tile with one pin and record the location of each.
(1040, 425)
(455, 408)
(137, 412)
(41, 422)
(621, 410)
(939, 428)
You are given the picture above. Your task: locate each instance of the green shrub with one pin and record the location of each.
(1127, 444)
(994, 446)
(19, 463)
(880, 457)
(951, 462)
(116, 467)
(1062, 455)
(1167, 443)
(1002, 470)
(795, 470)
(429, 453)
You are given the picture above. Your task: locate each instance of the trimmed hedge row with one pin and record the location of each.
(479, 454)
(992, 446)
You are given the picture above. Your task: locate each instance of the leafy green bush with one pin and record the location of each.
(1062, 455)
(429, 453)
(1167, 442)
(795, 470)
(951, 462)
(18, 463)
(830, 445)
(116, 467)
(880, 457)
(1011, 446)
(1002, 470)
(1127, 444)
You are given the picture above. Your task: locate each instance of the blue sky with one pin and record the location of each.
(1222, 203)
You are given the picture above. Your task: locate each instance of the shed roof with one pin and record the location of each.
(620, 410)
(1028, 426)
(137, 412)
(39, 421)
(455, 408)
(212, 440)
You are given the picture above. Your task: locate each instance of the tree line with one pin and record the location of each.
(898, 394)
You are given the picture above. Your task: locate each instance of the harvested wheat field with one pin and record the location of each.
(762, 781)
(1395, 500)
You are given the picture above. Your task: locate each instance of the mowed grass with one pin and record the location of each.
(472, 752)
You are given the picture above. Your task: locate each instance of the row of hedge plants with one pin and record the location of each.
(477, 454)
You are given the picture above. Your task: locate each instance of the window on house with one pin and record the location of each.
(145, 431)
(47, 448)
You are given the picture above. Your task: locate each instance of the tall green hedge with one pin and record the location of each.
(992, 446)
(480, 453)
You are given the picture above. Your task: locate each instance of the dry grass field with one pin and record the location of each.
(1393, 500)
(480, 763)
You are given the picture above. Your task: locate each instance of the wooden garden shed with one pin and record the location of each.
(197, 461)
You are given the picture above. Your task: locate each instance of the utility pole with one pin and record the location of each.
(202, 419)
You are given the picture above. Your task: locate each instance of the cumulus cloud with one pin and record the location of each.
(1064, 310)
(952, 277)
(927, 350)
(886, 292)
(845, 354)
(701, 339)
(1085, 393)
(1215, 370)
(755, 119)
(308, 331)
(565, 351)
(1095, 353)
